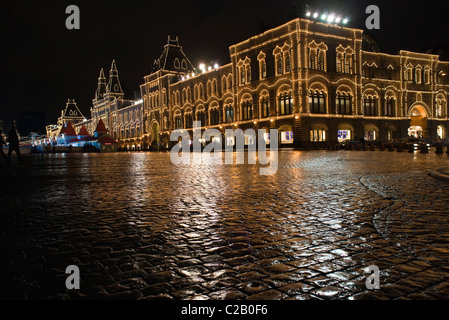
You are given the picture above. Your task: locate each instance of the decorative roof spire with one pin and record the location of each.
(101, 88)
(114, 87)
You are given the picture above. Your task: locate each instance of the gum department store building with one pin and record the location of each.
(317, 83)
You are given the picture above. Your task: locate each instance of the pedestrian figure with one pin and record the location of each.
(2, 143)
(13, 139)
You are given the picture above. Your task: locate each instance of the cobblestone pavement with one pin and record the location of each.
(139, 227)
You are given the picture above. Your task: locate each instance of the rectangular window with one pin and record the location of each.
(344, 135)
(287, 137)
(317, 102)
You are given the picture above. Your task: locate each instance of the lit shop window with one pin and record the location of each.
(266, 137)
(344, 135)
(230, 141)
(287, 137)
(317, 135)
(250, 140)
(370, 135)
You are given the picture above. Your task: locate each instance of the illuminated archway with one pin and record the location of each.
(418, 122)
(441, 132)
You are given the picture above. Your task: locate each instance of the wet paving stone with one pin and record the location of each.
(141, 228)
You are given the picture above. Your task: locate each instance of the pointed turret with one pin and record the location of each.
(114, 87)
(173, 58)
(101, 88)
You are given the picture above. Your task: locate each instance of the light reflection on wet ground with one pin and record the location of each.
(140, 227)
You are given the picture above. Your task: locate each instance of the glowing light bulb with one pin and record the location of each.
(345, 21)
(308, 14)
(323, 17)
(315, 15)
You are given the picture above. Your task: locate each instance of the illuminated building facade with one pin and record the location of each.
(317, 83)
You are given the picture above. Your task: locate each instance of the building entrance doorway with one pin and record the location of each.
(418, 123)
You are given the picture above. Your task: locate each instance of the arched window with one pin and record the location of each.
(265, 107)
(242, 75)
(262, 69)
(215, 87)
(224, 84)
(317, 102)
(230, 81)
(418, 72)
(201, 91)
(247, 110)
(343, 103)
(322, 60)
(369, 106)
(189, 121)
(201, 116)
(229, 113)
(184, 64)
(390, 104)
(285, 103)
(312, 59)
(178, 121)
(189, 94)
(288, 63)
(177, 64)
(279, 64)
(427, 75)
(248, 73)
(214, 116)
(409, 73)
(348, 63)
(209, 88)
(340, 62)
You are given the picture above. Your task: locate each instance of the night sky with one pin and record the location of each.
(43, 64)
